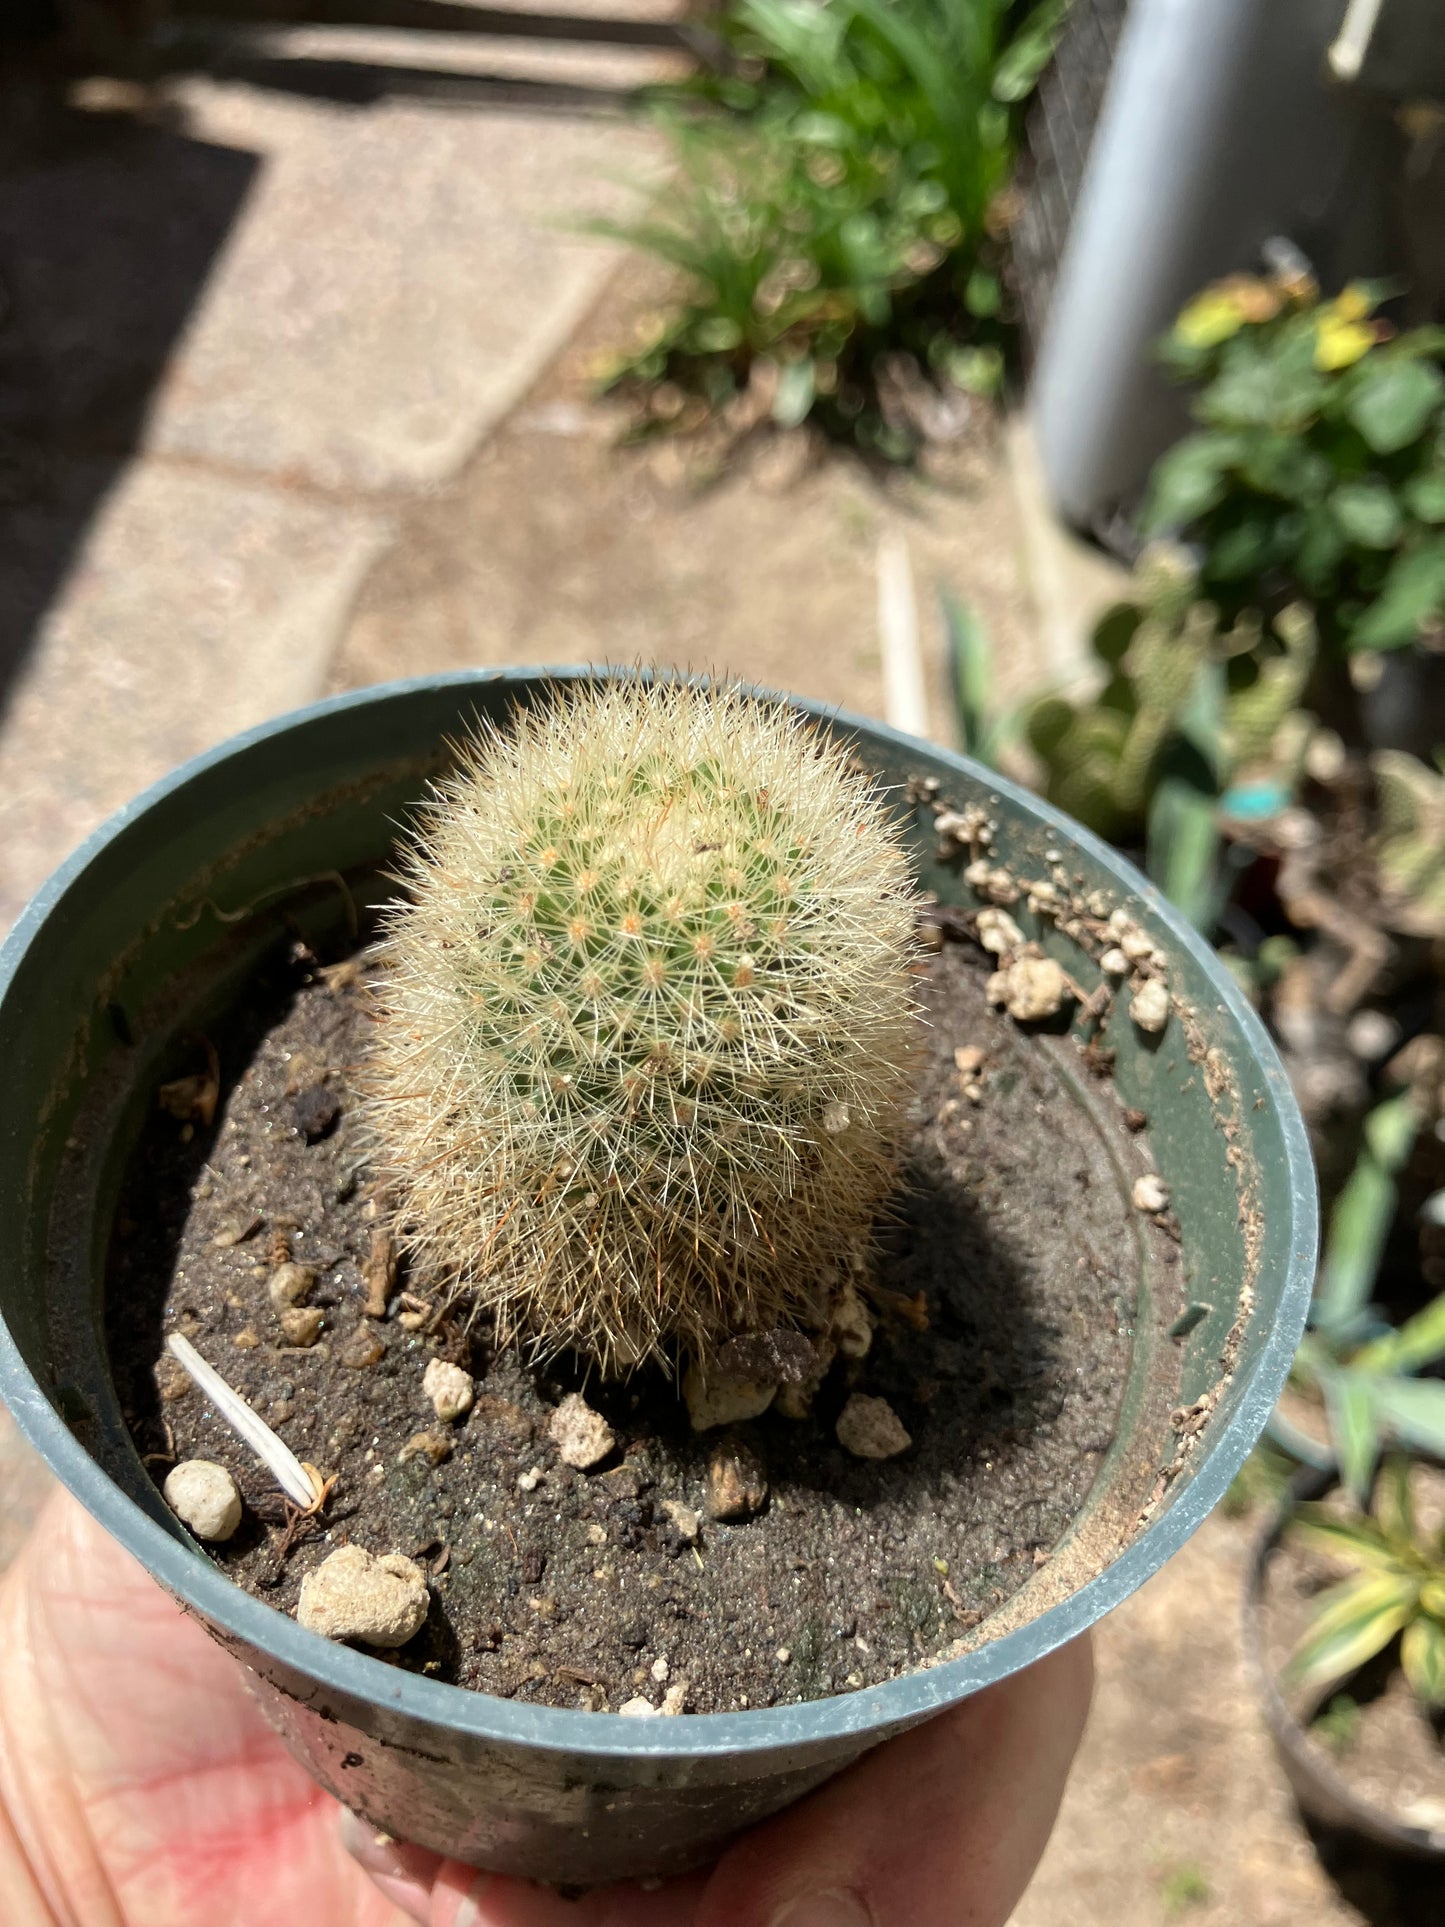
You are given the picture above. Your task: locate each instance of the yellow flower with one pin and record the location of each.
(1223, 309)
(1210, 318)
(1339, 342)
(1353, 303)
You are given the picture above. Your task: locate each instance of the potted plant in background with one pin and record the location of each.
(1345, 1635)
(266, 859)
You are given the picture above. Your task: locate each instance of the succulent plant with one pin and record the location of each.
(1102, 756)
(1410, 845)
(647, 1027)
(1394, 1582)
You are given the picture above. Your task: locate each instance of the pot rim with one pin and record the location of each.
(190, 1576)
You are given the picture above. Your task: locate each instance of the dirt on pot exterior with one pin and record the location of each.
(752, 1564)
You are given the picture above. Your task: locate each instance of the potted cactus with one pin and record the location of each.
(647, 1021)
(754, 1153)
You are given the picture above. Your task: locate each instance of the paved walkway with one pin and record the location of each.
(242, 333)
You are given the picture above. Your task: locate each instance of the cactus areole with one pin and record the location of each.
(647, 1029)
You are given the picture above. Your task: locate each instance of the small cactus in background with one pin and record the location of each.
(1101, 757)
(647, 1028)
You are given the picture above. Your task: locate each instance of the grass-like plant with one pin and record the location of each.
(647, 1028)
(839, 196)
(1395, 1586)
(1366, 1371)
(1318, 469)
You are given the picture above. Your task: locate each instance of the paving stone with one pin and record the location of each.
(397, 277)
(197, 605)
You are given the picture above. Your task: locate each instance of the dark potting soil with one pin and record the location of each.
(1006, 1290)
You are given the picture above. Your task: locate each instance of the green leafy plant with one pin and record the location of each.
(647, 1025)
(838, 198)
(1395, 1587)
(1339, 1724)
(1318, 471)
(1192, 722)
(1188, 707)
(1363, 1369)
(985, 731)
(1182, 1888)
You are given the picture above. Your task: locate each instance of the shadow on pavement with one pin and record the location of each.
(109, 227)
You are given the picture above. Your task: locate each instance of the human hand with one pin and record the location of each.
(140, 1786)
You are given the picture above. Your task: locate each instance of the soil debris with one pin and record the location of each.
(289, 1284)
(1031, 989)
(869, 1428)
(450, 1389)
(1150, 1193)
(352, 1594)
(301, 1325)
(314, 1112)
(685, 1522)
(718, 1400)
(737, 1480)
(583, 1438)
(1149, 1006)
(769, 1357)
(380, 1272)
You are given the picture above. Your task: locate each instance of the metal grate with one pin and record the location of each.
(1059, 132)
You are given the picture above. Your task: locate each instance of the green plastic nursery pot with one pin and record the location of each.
(148, 932)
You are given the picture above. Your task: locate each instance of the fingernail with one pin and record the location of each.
(382, 1856)
(413, 1901)
(832, 1909)
(470, 1914)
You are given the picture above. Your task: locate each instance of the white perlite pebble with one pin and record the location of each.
(449, 1388)
(638, 1709)
(1151, 1193)
(1033, 988)
(684, 1521)
(723, 1401)
(1114, 963)
(582, 1437)
(354, 1595)
(998, 933)
(869, 1428)
(660, 1670)
(1149, 1006)
(204, 1497)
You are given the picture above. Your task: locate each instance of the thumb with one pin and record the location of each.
(942, 1827)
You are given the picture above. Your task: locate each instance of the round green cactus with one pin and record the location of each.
(647, 1029)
